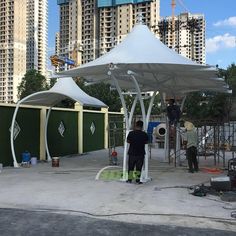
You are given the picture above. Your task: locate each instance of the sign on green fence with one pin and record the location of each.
(93, 131)
(63, 133)
(26, 133)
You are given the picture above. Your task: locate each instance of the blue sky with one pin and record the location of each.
(220, 18)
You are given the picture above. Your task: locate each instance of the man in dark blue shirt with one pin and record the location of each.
(173, 112)
(137, 140)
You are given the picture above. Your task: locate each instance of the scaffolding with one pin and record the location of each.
(214, 139)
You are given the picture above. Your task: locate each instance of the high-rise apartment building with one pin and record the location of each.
(117, 18)
(37, 26)
(91, 28)
(64, 26)
(23, 43)
(54, 58)
(57, 44)
(72, 22)
(12, 47)
(188, 38)
(89, 31)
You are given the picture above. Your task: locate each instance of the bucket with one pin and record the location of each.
(26, 157)
(55, 161)
(33, 161)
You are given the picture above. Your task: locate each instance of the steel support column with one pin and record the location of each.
(129, 117)
(125, 173)
(13, 124)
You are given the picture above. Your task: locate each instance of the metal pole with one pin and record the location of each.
(215, 143)
(140, 98)
(145, 172)
(11, 135)
(46, 134)
(224, 146)
(166, 144)
(124, 177)
(13, 124)
(149, 113)
(132, 110)
(233, 140)
(150, 107)
(178, 134)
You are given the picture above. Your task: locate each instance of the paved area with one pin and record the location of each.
(71, 192)
(34, 223)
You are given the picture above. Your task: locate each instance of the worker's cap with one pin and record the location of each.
(188, 125)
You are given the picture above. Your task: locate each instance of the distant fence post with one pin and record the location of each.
(105, 111)
(79, 108)
(42, 150)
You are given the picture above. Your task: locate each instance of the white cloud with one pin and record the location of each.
(231, 21)
(220, 42)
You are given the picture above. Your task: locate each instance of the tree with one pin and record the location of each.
(195, 106)
(230, 77)
(111, 98)
(104, 93)
(32, 82)
(100, 91)
(212, 105)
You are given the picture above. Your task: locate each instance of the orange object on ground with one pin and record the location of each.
(212, 170)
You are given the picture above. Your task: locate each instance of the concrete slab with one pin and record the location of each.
(34, 223)
(72, 189)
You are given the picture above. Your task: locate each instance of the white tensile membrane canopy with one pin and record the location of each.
(142, 63)
(63, 88)
(157, 67)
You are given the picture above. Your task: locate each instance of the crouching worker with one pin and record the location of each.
(137, 140)
(191, 145)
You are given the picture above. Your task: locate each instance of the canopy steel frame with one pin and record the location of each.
(128, 119)
(13, 124)
(65, 87)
